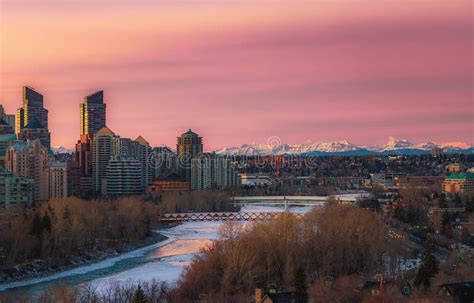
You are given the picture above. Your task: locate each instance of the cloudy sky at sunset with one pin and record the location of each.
(240, 71)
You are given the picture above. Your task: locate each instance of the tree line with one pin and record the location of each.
(329, 243)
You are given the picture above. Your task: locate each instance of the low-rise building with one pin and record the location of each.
(459, 184)
(453, 168)
(172, 182)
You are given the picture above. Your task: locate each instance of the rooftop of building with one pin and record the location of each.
(8, 137)
(190, 134)
(20, 146)
(30, 92)
(141, 140)
(97, 96)
(468, 176)
(105, 131)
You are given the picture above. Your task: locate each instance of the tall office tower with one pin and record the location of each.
(102, 144)
(32, 110)
(20, 120)
(124, 176)
(33, 131)
(29, 160)
(10, 119)
(143, 153)
(14, 191)
(57, 173)
(92, 113)
(211, 171)
(189, 146)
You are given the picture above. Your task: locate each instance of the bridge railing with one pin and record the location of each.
(222, 216)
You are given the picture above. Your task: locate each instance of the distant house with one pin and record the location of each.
(273, 297)
(462, 292)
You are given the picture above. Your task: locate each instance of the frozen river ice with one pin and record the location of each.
(164, 261)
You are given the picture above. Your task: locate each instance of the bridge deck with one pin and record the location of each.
(221, 216)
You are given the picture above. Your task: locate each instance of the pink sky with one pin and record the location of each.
(240, 71)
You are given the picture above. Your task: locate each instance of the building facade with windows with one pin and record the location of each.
(189, 146)
(15, 191)
(58, 180)
(459, 184)
(92, 113)
(30, 160)
(124, 176)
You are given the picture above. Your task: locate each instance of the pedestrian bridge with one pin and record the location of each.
(221, 216)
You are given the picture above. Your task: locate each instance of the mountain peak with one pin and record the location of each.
(337, 147)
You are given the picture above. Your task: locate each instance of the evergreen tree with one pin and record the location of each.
(429, 268)
(37, 225)
(301, 291)
(445, 222)
(47, 225)
(469, 203)
(139, 296)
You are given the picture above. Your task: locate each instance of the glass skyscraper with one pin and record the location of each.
(92, 113)
(32, 111)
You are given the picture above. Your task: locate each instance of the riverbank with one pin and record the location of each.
(40, 268)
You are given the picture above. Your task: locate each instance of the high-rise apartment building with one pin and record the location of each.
(139, 149)
(92, 112)
(211, 171)
(124, 176)
(189, 146)
(14, 191)
(58, 186)
(30, 160)
(32, 110)
(201, 172)
(102, 151)
(143, 153)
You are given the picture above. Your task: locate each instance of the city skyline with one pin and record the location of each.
(242, 72)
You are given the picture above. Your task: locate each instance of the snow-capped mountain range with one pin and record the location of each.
(393, 146)
(61, 150)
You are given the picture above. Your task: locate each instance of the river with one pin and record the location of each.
(163, 261)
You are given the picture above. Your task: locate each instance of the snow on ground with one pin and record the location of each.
(84, 269)
(166, 260)
(185, 241)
